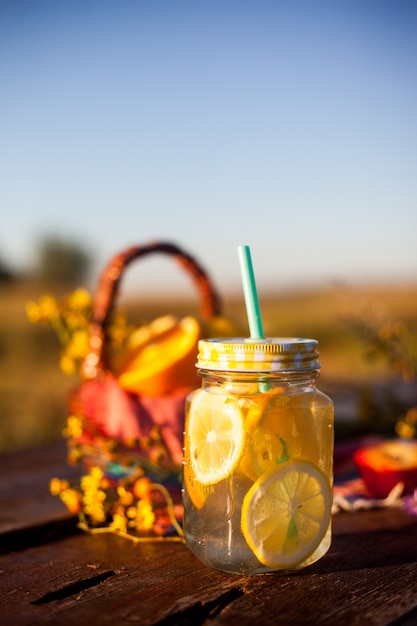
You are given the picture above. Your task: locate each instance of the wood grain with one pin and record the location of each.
(369, 575)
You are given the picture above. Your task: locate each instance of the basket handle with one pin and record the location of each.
(103, 301)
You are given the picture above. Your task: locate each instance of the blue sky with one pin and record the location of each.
(287, 126)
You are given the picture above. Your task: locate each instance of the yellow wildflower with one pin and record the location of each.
(92, 479)
(79, 299)
(69, 496)
(93, 497)
(74, 427)
(75, 454)
(94, 509)
(48, 307)
(141, 488)
(125, 497)
(33, 312)
(67, 365)
(119, 522)
(72, 500)
(56, 486)
(79, 344)
(142, 516)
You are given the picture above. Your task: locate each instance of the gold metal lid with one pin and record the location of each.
(276, 354)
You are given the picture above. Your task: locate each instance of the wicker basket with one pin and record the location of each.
(130, 445)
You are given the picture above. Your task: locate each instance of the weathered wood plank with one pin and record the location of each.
(25, 500)
(369, 576)
(61, 576)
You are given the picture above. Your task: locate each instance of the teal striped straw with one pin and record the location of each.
(250, 293)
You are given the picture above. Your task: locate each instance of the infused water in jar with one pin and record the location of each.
(258, 457)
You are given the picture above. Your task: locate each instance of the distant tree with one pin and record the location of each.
(6, 274)
(62, 261)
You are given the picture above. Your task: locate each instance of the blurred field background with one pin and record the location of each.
(288, 126)
(367, 338)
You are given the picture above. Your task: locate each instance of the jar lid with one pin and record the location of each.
(276, 354)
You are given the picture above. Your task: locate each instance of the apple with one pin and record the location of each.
(383, 465)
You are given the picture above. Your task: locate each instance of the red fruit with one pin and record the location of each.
(384, 465)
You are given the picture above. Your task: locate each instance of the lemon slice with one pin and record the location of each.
(215, 437)
(195, 490)
(286, 513)
(264, 451)
(284, 430)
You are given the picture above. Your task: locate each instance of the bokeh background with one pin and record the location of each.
(287, 126)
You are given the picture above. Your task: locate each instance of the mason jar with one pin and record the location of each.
(258, 457)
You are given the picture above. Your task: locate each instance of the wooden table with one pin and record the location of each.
(51, 572)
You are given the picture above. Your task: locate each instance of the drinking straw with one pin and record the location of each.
(251, 296)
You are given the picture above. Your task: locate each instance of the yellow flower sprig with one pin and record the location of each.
(396, 343)
(70, 319)
(132, 511)
(389, 340)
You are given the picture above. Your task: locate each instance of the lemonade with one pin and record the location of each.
(258, 453)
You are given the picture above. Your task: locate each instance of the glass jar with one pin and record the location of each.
(258, 457)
